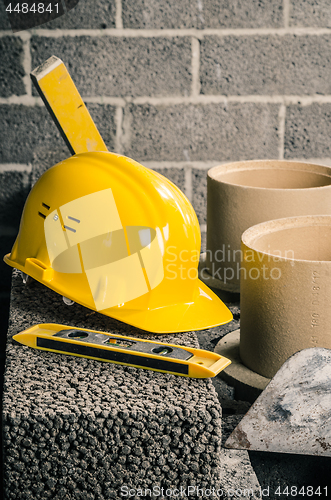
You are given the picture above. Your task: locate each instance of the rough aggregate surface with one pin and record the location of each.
(82, 429)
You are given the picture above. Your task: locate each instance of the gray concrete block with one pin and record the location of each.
(103, 116)
(307, 131)
(243, 14)
(11, 66)
(266, 65)
(203, 241)
(199, 189)
(4, 21)
(206, 14)
(237, 131)
(14, 188)
(44, 158)
(149, 14)
(104, 119)
(24, 130)
(81, 429)
(87, 14)
(121, 66)
(28, 131)
(310, 13)
(175, 175)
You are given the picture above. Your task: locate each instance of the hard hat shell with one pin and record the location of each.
(118, 238)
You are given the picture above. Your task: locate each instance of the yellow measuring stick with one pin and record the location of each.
(129, 351)
(66, 107)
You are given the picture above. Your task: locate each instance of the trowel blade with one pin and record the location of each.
(293, 413)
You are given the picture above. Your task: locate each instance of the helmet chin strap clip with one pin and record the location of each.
(25, 277)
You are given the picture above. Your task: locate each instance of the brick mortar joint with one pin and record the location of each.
(200, 99)
(195, 63)
(166, 33)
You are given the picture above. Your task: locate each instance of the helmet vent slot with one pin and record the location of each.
(73, 218)
(46, 206)
(42, 215)
(70, 228)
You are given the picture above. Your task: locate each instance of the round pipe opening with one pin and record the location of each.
(277, 178)
(303, 238)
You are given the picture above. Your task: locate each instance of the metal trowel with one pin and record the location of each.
(293, 413)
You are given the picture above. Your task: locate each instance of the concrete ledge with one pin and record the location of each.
(80, 429)
(248, 385)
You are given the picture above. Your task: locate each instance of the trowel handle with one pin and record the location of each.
(66, 107)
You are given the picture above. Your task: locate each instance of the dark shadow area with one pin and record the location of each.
(279, 472)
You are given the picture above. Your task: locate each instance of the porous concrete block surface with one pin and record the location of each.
(149, 14)
(4, 20)
(11, 66)
(14, 188)
(103, 116)
(310, 13)
(207, 14)
(266, 64)
(229, 131)
(24, 130)
(175, 175)
(307, 129)
(121, 66)
(242, 14)
(87, 14)
(199, 189)
(37, 132)
(203, 241)
(44, 158)
(76, 428)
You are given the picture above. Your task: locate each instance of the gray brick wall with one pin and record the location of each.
(178, 86)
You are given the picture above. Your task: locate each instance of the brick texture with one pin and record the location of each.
(120, 67)
(175, 175)
(14, 188)
(11, 68)
(25, 130)
(92, 14)
(307, 131)
(243, 14)
(202, 132)
(310, 13)
(204, 14)
(4, 21)
(266, 65)
(28, 131)
(199, 188)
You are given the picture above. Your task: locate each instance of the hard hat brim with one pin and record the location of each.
(204, 311)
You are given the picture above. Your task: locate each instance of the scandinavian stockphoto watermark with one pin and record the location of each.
(226, 264)
(27, 14)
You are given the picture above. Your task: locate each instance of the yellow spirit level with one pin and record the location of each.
(129, 351)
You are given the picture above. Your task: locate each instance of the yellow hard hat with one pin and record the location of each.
(118, 238)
